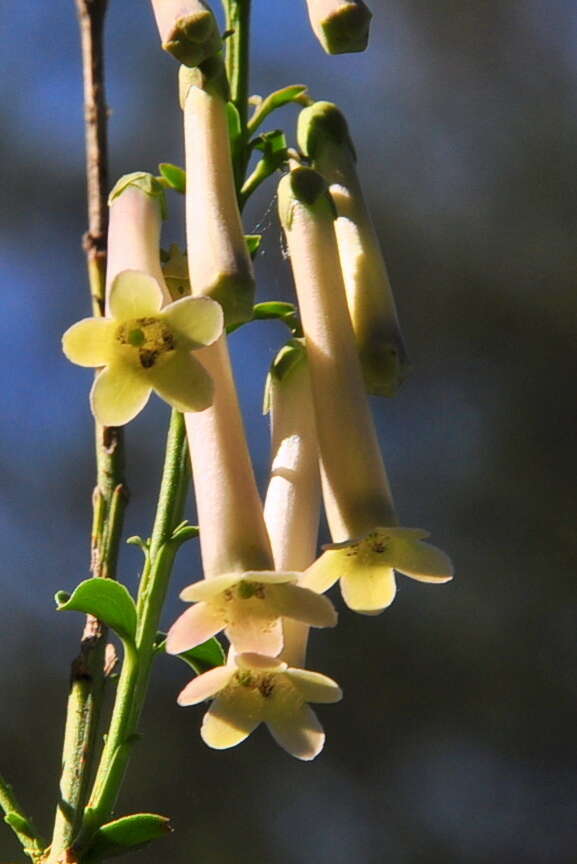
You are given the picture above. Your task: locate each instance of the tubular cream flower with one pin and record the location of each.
(249, 609)
(188, 30)
(356, 490)
(252, 689)
(293, 497)
(341, 26)
(144, 349)
(218, 259)
(137, 208)
(324, 136)
(240, 591)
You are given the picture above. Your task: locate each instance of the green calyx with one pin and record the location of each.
(320, 124)
(286, 361)
(143, 181)
(209, 76)
(302, 186)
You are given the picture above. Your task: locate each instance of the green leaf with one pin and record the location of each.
(285, 312)
(174, 176)
(128, 832)
(273, 309)
(293, 93)
(253, 242)
(108, 601)
(202, 658)
(272, 144)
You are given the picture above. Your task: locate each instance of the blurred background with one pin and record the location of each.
(456, 738)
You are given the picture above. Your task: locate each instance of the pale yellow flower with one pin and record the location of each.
(341, 26)
(145, 348)
(249, 608)
(252, 689)
(356, 492)
(366, 567)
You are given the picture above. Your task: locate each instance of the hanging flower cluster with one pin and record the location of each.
(263, 581)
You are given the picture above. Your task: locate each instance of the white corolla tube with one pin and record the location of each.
(219, 263)
(293, 498)
(135, 220)
(323, 135)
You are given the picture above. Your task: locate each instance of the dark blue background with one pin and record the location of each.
(456, 739)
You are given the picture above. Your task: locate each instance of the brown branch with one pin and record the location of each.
(91, 15)
(88, 669)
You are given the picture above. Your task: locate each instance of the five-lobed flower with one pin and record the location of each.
(252, 689)
(143, 348)
(249, 607)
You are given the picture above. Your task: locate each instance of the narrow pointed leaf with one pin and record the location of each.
(293, 93)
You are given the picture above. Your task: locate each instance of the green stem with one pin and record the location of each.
(22, 826)
(238, 54)
(135, 675)
(237, 70)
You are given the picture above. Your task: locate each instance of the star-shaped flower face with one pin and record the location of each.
(144, 349)
(366, 567)
(253, 689)
(249, 608)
